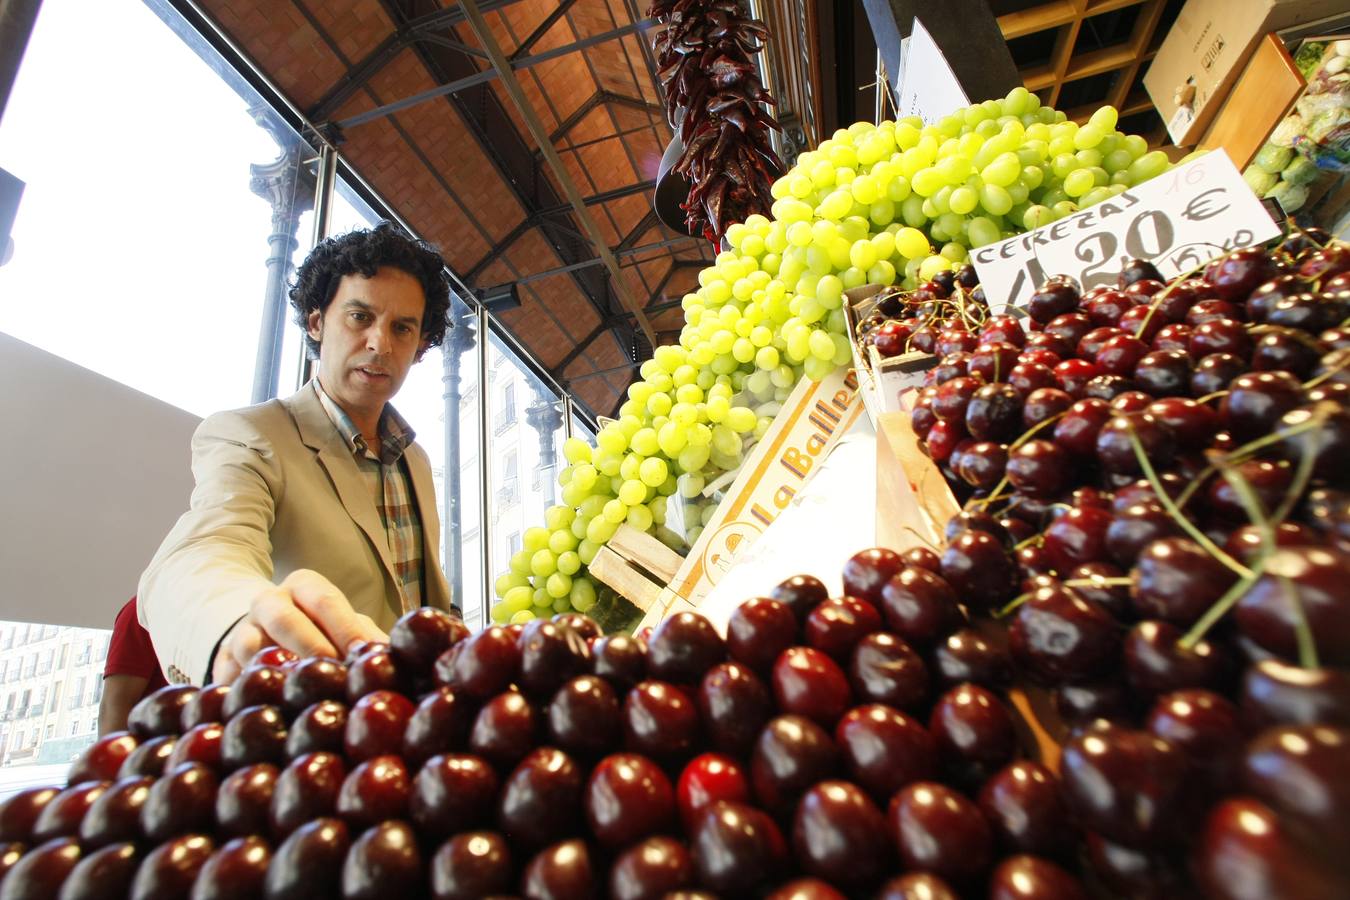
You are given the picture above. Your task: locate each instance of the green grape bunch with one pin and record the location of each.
(887, 204)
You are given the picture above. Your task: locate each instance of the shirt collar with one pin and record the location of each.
(395, 432)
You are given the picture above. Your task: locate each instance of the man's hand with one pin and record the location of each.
(306, 614)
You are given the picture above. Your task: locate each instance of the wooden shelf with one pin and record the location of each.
(1068, 25)
(1038, 18)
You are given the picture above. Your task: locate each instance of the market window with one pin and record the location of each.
(171, 197)
(519, 503)
(505, 416)
(508, 494)
(349, 212)
(447, 429)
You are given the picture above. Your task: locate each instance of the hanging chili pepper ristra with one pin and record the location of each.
(716, 102)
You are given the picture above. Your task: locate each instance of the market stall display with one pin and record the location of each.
(896, 203)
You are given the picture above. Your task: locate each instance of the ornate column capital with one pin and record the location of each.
(544, 416)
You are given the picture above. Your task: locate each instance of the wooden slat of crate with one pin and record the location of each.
(612, 569)
(637, 566)
(646, 552)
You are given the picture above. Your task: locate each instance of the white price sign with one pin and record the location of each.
(929, 88)
(1178, 221)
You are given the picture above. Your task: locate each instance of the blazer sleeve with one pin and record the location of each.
(219, 554)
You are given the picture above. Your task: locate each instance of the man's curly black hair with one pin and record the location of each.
(363, 253)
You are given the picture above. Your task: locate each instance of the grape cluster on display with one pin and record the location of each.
(894, 204)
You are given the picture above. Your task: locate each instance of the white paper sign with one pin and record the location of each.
(1178, 221)
(815, 535)
(928, 88)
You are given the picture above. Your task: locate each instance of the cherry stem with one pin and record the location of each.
(1161, 295)
(1301, 475)
(1196, 483)
(923, 540)
(1307, 647)
(1011, 607)
(1035, 540)
(1220, 607)
(1299, 336)
(1249, 449)
(1026, 436)
(1186, 524)
(1314, 382)
(1251, 504)
(1214, 396)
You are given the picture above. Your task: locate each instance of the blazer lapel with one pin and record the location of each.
(318, 433)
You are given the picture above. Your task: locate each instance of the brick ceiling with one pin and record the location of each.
(462, 171)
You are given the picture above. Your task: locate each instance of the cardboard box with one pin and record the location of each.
(889, 384)
(1206, 49)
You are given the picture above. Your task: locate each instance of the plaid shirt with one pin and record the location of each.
(390, 487)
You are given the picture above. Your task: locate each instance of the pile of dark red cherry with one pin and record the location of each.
(1154, 479)
(1157, 457)
(789, 760)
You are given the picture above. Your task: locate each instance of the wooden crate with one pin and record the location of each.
(638, 567)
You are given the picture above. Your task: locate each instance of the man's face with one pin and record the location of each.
(369, 336)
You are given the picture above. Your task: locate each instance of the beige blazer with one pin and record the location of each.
(276, 490)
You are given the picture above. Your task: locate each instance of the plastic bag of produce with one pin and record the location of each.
(1302, 171)
(1273, 158)
(1325, 113)
(1259, 180)
(1287, 131)
(1290, 196)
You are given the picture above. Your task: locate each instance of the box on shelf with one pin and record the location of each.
(1204, 52)
(887, 384)
(637, 566)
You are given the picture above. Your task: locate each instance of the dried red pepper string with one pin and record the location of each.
(716, 100)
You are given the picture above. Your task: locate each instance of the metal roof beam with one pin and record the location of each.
(627, 190)
(576, 351)
(503, 66)
(489, 74)
(426, 27)
(549, 21)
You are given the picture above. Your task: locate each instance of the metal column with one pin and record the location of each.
(458, 341)
(484, 488)
(325, 180)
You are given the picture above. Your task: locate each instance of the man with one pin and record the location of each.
(313, 523)
(131, 672)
